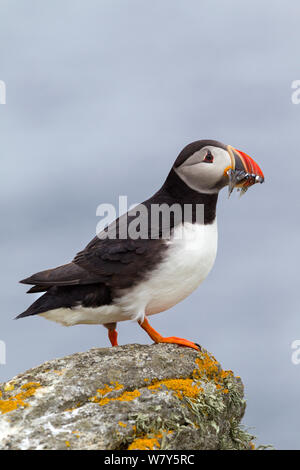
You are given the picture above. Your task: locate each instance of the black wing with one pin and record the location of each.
(108, 259)
(120, 262)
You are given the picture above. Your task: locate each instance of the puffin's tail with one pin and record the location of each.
(64, 287)
(90, 295)
(43, 304)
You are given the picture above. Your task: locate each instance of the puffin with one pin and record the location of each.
(125, 274)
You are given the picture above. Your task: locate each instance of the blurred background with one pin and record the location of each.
(101, 97)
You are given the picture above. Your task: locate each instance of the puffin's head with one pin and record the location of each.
(207, 166)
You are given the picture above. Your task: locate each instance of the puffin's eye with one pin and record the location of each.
(209, 158)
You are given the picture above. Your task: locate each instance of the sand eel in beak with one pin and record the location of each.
(121, 277)
(243, 172)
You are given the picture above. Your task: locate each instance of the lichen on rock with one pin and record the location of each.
(130, 397)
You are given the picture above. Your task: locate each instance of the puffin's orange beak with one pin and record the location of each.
(243, 171)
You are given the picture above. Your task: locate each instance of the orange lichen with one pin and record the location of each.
(126, 396)
(107, 389)
(30, 385)
(17, 401)
(181, 387)
(123, 425)
(146, 443)
(101, 399)
(67, 443)
(208, 368)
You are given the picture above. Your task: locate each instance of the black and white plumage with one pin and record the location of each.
(114, 280)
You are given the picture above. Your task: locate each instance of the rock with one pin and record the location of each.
(161, 396)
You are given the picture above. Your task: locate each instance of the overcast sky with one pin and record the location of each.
(101, 97)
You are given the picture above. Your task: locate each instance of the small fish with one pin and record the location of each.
(242, 180)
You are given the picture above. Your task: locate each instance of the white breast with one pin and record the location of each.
(190, 257)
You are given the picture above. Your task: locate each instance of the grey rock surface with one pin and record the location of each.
(161, 396)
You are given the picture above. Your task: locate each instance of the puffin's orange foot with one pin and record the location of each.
(113, 337)
(155, 336)
(181, 341)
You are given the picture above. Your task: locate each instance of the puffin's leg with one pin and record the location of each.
(112, 333)
(155, 336)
